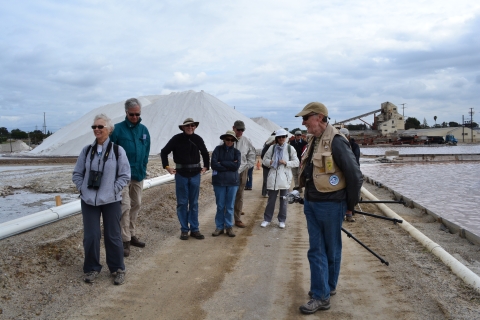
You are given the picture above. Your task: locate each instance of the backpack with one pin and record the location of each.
(289, 152)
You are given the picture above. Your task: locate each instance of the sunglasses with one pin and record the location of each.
(305, 118)
(240, 129)
(192, 125)
(229, 140)
(99, 127)
(281, 137)
(134, 114)
(298, 135)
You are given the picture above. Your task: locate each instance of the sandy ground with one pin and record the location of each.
(262, 273)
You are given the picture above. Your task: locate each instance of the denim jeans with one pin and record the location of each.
(249, 183)
(324, 223)
(225, 198)
(187, 190)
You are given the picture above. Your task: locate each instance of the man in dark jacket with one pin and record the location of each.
(135, 139)
(187, 147)
(298, 144)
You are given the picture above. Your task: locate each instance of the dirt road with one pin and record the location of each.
(262, 273)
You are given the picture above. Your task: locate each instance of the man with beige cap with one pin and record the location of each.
(248, 152)
(187, 147)
(332, 181)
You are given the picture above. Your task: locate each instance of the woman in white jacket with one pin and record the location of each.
(280, 158)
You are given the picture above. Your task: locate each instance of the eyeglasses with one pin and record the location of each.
(134, 114)
(240, 129)
(229, 140)
(191, 125)
(99, 127)
(305, 118)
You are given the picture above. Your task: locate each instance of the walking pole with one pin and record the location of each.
(376, 255)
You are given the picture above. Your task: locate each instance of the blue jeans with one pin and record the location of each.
(324, 223)
(187, 190)
(225, 198)
(249, 178)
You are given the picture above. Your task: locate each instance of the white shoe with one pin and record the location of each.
(264, 224)
(281, 225)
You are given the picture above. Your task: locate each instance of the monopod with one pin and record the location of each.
(294, 196)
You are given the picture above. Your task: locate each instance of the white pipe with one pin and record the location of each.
(35, 220)
(467, 275)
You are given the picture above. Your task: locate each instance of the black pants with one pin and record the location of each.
(265, 176)
(111, 213)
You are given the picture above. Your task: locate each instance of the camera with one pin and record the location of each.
(94, 179)
(293, 197)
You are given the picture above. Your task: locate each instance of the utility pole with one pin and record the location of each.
(463, 128)
(44, 125)
(403, 110)
(471, 121)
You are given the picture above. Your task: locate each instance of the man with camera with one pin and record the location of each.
(135, 139)
(332, 180)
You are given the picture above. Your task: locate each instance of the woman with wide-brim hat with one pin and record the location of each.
(225, 180)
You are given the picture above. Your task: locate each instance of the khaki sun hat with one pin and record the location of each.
(228, 133)
(188, 121)
(313, 107)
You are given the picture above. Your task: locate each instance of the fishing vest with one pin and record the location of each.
(327, 177)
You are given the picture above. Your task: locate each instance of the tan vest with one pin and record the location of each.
(327, 177)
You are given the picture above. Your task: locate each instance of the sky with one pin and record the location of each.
(264, 58)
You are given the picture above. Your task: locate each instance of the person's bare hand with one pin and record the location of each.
(171, 170)
(203, 170)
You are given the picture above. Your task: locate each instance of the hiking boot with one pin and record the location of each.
(184, 236)
(217, 232)
(314, 305)
(349, 219)
(137, 243)
(332, 293)
(240, 224)
(230, 232)
(119, 277)
(126, 248)
(197, 235)
(264, 224)
(90, 276)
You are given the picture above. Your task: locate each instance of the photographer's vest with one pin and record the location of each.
(327, 177)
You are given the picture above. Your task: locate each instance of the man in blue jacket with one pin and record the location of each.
(135, 139)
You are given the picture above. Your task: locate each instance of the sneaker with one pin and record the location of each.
(217, 232)
(314, 305)
(136, 243)
(264, 224)
(281, 225)
(332, 293)
(349, 219)
(184, 236)
(90, 276)
(119, 277)
(126, 248)
(230, 232)
(197, 235)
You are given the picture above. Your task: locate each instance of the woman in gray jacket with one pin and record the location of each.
(101, 172)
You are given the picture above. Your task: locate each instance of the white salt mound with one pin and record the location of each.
(161, 114)
(16, 146)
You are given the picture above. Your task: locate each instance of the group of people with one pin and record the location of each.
(109, 175)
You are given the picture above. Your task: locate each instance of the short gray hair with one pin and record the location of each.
(132, 103)
(108, 121)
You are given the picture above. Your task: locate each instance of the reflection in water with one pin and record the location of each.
(451, 189)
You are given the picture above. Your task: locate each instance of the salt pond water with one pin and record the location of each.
(450, 189)
(432, 149)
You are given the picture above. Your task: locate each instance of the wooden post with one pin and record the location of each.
(58, 201)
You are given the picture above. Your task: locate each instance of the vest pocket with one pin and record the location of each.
(318, 163)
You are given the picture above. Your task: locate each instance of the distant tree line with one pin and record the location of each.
(414, 123)
(35, 136)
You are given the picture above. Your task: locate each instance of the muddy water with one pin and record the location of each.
(450, 189)
(432, 149)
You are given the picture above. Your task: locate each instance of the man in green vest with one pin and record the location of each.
(332, 180)
(135, 139)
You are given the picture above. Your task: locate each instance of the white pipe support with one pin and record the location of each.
(458, 268)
